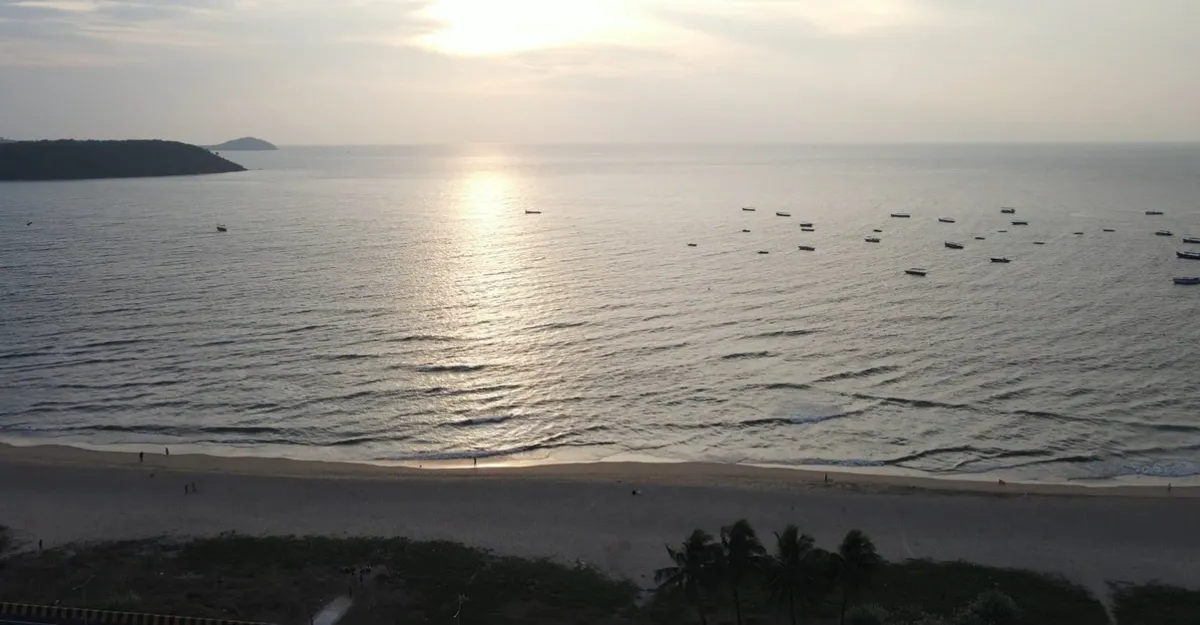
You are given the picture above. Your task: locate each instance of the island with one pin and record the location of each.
(68, 159)
(3, 140)
(245, 144)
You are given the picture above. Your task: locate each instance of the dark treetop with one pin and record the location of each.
(73, 160)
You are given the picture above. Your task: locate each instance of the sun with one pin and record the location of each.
(494, 27)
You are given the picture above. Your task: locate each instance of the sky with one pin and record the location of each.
(382, 72)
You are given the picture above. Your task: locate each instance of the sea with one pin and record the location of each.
(400, 304)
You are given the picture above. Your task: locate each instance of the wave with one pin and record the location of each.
(112, 343)
(450, 368)
(746, 355)
(474, 421)
(803, 419)
(780, 334)
(421, 338)
(863, 373)
(558, 325)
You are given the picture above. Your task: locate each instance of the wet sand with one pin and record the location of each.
(587, 511)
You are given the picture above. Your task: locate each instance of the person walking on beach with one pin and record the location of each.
(167, 450)
(141, 456)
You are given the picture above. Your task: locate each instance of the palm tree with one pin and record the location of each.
(789, 566)
(742, 553)
(857, 559)
(694, 569)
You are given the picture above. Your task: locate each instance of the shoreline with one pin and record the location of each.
(617, 471)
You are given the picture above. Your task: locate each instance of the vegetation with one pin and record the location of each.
(711, 580)
(246, 144)
(71, 160)
(1155, 604)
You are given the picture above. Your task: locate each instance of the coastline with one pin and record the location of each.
(615, 471)
(614, 515)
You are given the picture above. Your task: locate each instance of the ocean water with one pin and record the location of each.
(398, 304)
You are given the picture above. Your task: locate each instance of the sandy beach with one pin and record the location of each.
(1093, 535)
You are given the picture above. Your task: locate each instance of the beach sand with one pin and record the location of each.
(1092, 535)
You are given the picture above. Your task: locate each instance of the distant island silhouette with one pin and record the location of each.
(4, 140)
(244, 144)
(68, 159)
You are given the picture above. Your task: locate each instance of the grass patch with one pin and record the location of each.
(286, 579)
(940, 588)
(1155, 604)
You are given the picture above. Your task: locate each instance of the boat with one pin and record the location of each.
(1153, 212)
(877, 230)
(915, 271)
(1020, 222)
(872, 239)
(782, 214)
(978, 238)
(691, 245)
(745, 230)
(1195, 280)
(529, 212)
(1188, 255)
(901, 215)
(1039, 242)
(808, 248)
(222, 228)
(1077, 233)
(1164, 233)
(954, 246)
(1110, 229)
(945, 220)
(806, 224)
(1000, 259)
(1008, 209)
(749, 209)
(1191, 239)
(1002, 231)
(808, 230)
(763, 252)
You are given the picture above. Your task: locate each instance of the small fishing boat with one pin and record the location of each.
(1188, 255)
(745, 230)
(872, 239)
(532, 212)
(1002, 231)
(901, 215)
(945, 220)
(1195, 280)
(1110, 229)
(222, 228)
(749, 209)
(1152, 212)
(1020, 222)
(1191, 239)
(691, 245)
(1164, 233)
(915, 271)
(806, 224)
(877, 230)
(1039, 242)
(1077, 233)
(1008, 209)
(808, 230)
(954, 246)
(782, 214)
(1000, 259)
(763, 252)
(978, 238)
(807, 248)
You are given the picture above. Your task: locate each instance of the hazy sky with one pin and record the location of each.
(433, 71)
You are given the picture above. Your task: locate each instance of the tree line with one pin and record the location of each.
(795, 575)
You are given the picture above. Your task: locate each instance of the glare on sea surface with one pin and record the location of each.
(490, 27)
